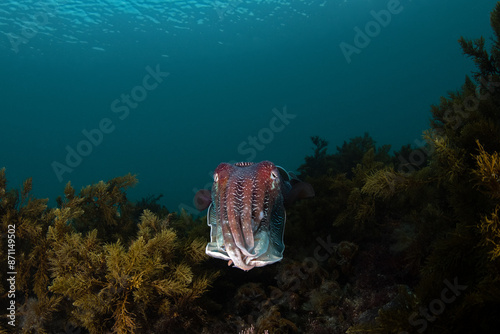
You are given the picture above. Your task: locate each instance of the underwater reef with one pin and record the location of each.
(401, 242)
(99, 263)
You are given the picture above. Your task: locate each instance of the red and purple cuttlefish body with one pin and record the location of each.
(247, 212)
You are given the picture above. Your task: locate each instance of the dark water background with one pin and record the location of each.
(66, 68)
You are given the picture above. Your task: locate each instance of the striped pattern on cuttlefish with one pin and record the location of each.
(246, 212)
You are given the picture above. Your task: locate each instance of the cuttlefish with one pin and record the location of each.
(246, 212)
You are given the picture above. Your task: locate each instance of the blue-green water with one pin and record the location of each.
(167, 90)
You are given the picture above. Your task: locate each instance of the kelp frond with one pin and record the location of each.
(490, 230)
(449, 158)
(384, 183)
(488, 171)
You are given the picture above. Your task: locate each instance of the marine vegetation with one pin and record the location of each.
(79, 266)
(454, 241)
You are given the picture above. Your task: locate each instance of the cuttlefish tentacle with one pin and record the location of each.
(258, 195)
(246, 213)
(267, 190)
(234, 201)
(221, 180)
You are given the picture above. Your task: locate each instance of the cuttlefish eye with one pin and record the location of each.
(216, 177)
(274, 175)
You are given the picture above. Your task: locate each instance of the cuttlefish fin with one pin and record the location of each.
(202, 199)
